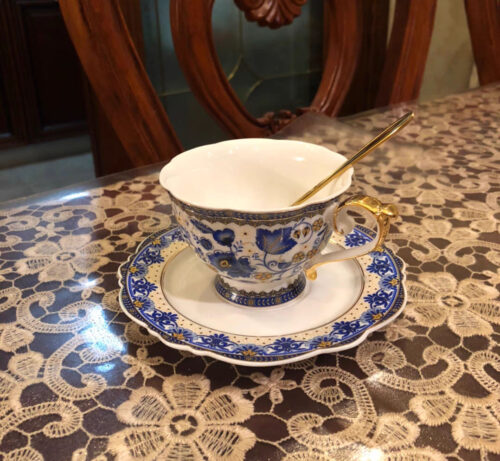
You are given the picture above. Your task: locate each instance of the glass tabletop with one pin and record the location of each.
(80, 381)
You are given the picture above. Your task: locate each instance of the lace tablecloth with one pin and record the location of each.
(79, 381)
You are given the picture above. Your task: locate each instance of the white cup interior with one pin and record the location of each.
(253, 174)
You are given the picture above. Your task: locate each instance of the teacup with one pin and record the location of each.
(232, 199)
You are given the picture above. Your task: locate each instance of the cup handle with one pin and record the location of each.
(343, 224)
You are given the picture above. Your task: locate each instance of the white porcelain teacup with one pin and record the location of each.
(232, 201)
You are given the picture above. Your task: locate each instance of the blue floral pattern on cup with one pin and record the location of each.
(257, 254)
(275, 242)
(272, 257)
(228, 262)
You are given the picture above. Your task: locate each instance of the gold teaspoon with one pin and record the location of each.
(387, 134)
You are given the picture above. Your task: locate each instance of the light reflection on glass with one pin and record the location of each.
(74, 195)
(371, 454)
(376, 376)
(98, 334)
(105, 367)
(86, 283)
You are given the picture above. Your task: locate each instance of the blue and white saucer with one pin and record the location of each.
(166, 289)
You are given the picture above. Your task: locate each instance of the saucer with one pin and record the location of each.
(168, 290)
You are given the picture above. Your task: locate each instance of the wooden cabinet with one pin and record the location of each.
(41, 88)
(5, 124)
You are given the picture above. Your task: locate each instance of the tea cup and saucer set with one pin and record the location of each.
(246, 278)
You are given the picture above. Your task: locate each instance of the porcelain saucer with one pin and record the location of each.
(166, 289)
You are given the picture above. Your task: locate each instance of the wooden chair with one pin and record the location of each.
(128, 100)
(484, 27)
(122, 86)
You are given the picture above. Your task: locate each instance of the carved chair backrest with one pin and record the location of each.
(344, 32)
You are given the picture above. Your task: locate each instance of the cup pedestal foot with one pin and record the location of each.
(263, 295)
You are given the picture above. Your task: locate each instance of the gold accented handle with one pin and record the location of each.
(383, 214)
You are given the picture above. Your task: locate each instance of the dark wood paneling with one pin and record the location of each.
(12, 121)
(50, 47)
(5, 123)
(49, 70)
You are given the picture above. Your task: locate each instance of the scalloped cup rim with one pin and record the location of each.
(346, 178)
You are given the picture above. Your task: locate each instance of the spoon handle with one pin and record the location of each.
(385, 135)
